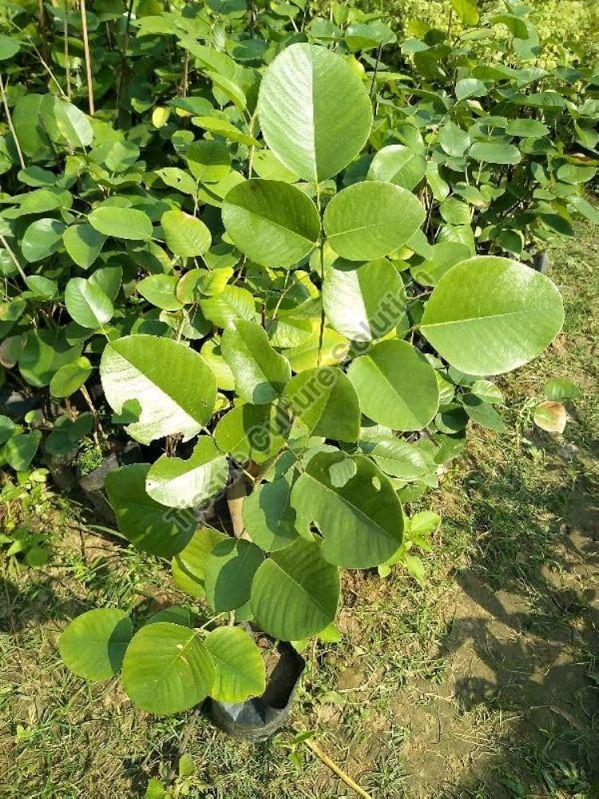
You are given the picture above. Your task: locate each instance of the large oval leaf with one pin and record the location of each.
(354, 506)
(238, 665)
(189, 565)
(41, 239)
(87, 304)
(83, 243)
(188, 483)
(121, 223)
(490, 315)
(260, 372)
(398, 164)
(172, 386)
(186, 236)
(268, 516)
(363, 302)
(167, 669)
(371, 219)
(93, 644)
(142, 520)
(295, 592)
(273, 223)
(230, 569)
(253, 432)
(396, 385)
(314, 111)
(326, 402)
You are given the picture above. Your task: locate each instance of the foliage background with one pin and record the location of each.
(575, 22)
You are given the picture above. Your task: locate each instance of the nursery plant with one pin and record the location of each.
(282, 255)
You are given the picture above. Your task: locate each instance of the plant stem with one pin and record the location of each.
(335, 769)
(236, 493)
(119, 87)
(11, 126)
(88, 59)
(12, 255)
(376, 69)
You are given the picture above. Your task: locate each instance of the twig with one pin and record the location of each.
(88, 59)
(49, 71)
(376, 69)
(335, 769)
(94, 413)
(11, 128)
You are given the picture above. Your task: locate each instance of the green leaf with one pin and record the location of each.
(332, 349)
(487, 391)
(188, 483)
(229, 305)
(230, 569)
(559, 390)
(466, 10)
(396, 385)
(295, 592)
(142, 520)
(490, 315)
(83, 244)
(314, 111)
(173, 385)
(358, 512)
(224, 128)
(495, 153)
(45, 351)
(260, 372)
(273, 223)
(371, 219)
(178, 179)
(399, 165)
(20, 450)
(167, 669)
(453, 139)
(527, 128)
(87, 304)
(73, 124)
(189, 565)
(444, 255)
(363, 301)
(268, 516)
(9, 47)
(576, 173)
(70, 377)
(208, 160)
(186, 236)
(483, 413)
(160, 290)
(252, 432)
(121, 223)
(399, 458)
(326, 402)
(469, 87)
(41, 239)
(93, 644)
(238, 665)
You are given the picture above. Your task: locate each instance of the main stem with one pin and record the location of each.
(10, 125)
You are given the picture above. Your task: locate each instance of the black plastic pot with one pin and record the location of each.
(259, 718)
(540, 261)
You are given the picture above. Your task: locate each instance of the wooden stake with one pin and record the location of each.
(335, 769)
(67, 63)
(10, 125)
(88, 60)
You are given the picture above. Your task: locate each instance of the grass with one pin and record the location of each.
(484, 684)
